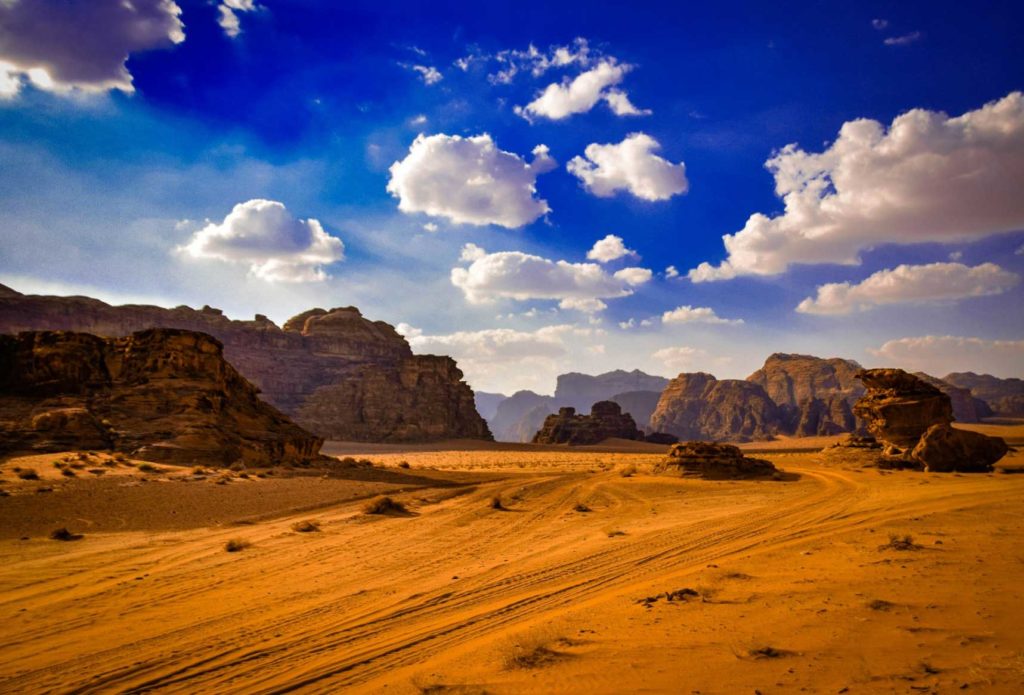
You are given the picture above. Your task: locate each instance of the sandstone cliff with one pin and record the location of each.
(160, 395)
(606, 420)
(1003, 396)
(583, 390)
(966, 408)
(639, 404)
(699, 406)
(335, 372)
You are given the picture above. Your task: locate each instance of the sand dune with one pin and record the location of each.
(792, 589)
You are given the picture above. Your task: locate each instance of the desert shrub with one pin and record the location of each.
(199, 470)
(59, 464)
(148, 468)
(384, 505)
(767, 652)
(62, 534)
(580, 507)
(27, 474)
(403, 464)
(880, 605)
(535, 652)
(68, 472)
(365, 463)
(627, 471)
(496, 503)
(898, 542)
(306, 526)
(238, 466)
(615, 533)
(236, 545)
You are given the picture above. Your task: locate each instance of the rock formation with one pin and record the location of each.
(639, 404)
(487, 403)
(162, 395)
(583, 390)
(815, 395)
(518, 417)
(966, 408)
(336, 373)
(1004, 396)
(606, 420)
(913, 418)
(699, 406)
(714, 462)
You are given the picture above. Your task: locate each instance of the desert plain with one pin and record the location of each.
(513, 568)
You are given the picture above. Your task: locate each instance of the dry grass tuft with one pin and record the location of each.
(384, 505)
(62, 534)
(306, 526)
(627, 471)
(536, 652)
(27, 474)
(881, 605)
(898, 542)
(767, 652)
(236, 545)
(581, 508)
(497, 504)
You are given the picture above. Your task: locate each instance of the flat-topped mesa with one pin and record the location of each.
(317, 369)
(164, 395)
(914, 418)
(713, 461)
(606, 421)
(699, 406)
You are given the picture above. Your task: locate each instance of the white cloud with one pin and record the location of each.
(904, 40)
(532, 60)
(696, 314)
(927, 178)
(579, 95)
(428, 73)
(420, 119)
(679, 358)
(521, 276)
(275, 245)
(910, 283)
(430, 227)
(229, 20)
(879, 24)
(630, 166)
(671, 272)
(942, 354)
(609, 249)
(67, 46)
(469, 181)
(1019, 251)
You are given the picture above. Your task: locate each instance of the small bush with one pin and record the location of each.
(59, 464)
(238, 466)
(236, 545)
(897, 542)
(62, 534)
(767, 653)
(496, 503)
(880, 605)
(403, 464)
(615, 533)
(306, 526)
(628, 471)
(148, 468)
(581, 508)
(384, 505)
(27, 474)
(68, 472)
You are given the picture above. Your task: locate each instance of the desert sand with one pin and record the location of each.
(794, 586)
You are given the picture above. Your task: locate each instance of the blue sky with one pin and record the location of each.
(263, 157)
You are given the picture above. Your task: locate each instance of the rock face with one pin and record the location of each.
(606, 420)
(913, 418)
(583, 390)
(639, 404)
(714, 462)
(814, 394)
(699, 406)
(519, 416)
(162, 395)
(1003, 396)
(336, 373)
(966, 408)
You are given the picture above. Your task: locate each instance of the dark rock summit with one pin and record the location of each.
(606, 420)
(583, 390)
(163, 395)
(335, 372)
(699, 406)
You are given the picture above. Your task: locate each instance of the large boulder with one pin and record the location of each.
(162, 395)
(898, 407)
(699, 406)
(713, 461)
(606, 420)
(337, 373)
(943, 449)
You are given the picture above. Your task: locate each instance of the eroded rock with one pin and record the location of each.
(699, 406)
(606, 420)
(713, 461)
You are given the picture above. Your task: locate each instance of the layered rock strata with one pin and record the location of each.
(699, 406)
(606, 420)
(714, 462)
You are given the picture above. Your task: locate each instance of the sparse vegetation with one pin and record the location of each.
(238, 466)
(898, 542)
(62, 534)
(627, 471)
(496, 503)
(403, 464)
(581, 508)
(880, 605)
(148, 468)
(535, 652)
(615, 532)
(27, 473)
(67, 472)
(767, 652)
(236, 545)
(306, 526)
(384, 505)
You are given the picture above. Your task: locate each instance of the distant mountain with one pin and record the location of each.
(583, 390)
(966, 408)
(487, 403)
(518, 417)
(639, 404)
(699, 406)
(1004, 396)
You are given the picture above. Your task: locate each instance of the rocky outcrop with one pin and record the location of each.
(639, 404)
(1003, 396)
(815, 395)
(335, 372)
(966, 408)
(713, 462)
(520, 415)
(699, 406)
(583, 390)
(606, 420)
(161, 395)
(913, 419)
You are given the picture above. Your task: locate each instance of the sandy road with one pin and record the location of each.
(366, 603)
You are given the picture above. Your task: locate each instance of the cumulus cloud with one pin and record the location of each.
(563, 99)
(630, 166)
(470, 181)
(941, 354)
(609, 249)
(428, 73)
(228, 19)
(927, 178)
(274, 244)
(671, 272)
(522, 276)
(910, 283)
(696, 314)
(61, 46)
(904, 40)
(532, 60)
(680, 358)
